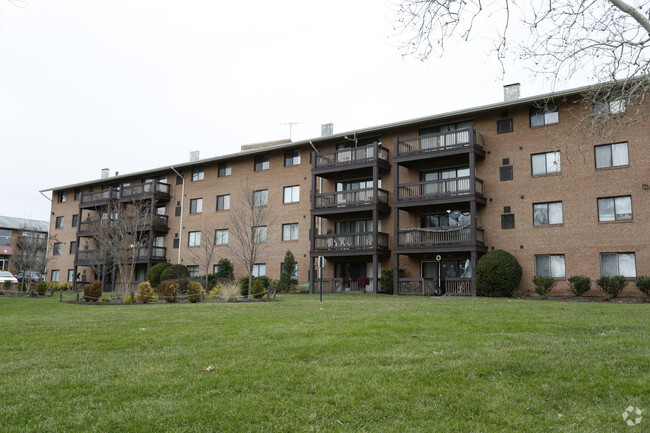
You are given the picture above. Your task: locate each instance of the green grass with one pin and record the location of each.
(350, 364)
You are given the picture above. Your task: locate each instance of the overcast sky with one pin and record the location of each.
(134, 84)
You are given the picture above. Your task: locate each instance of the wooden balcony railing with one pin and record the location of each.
(350, 241)
(157, 253)
(357, 197)
(160, 222)
(439, 236)
(439, 142)
(439, 189)
(426, 286)
(126, 192)
(344, 285)
(133, 191)
(99, 196)
(351, 156)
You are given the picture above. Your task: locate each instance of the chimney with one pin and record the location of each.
(105, 173)
(326, 129)
(194, 155)
(511, 92)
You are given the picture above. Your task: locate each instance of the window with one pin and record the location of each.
(221, 237)
(62, 197)
(259, 269)
(611, 155)
(292, 157)
(260, 234)
(215, 269)
(73, 247)
(546, 163)
(612, 264)
(508, 221)
(160, 210)
(290, 232)
(75, 220)
(615, 208)
(70, 275)
(505, 173)
(223, 202)
(261, 198)
(550, 265)
(261, 162)
(77, 194)
(194, 239)
(543, 115)
(225, 169)
(5, 237)
(56, 249)
(504, 126)
(55, 276)
(175, 244)
(193, 270)
(59, 222)
(613, 106)
(292, 194)
(179, 180)
(196, 205)
(197, 174)
(547, 213)
(295, 271)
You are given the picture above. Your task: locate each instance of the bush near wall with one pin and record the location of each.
(498, 274)
(154, 274)
(92, 291)
(174, 272)
(194, 290)
(643, 284)
(543, 284)
(168, 290)
(579, 284)
(145, 292)
(612, 286)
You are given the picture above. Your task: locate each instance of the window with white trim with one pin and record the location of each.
(194, 239)
(55, 276)
(259, 269)
(292, 194)
(221, 237)
(612, 264)
(611, 155)
(261, 197)
(259, 235)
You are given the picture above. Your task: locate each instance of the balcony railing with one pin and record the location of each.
(351, 156)
(439, 236)
(439, 189)
(126, 192)
(344, 285)
(350, 241)
(157, 253)
(133, 191)
(439, 142)
(426, 286)
(99, 196)
(357, 197)
(160, 222)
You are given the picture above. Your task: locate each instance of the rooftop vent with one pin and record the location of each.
(511, 92)
(326, 129)
(105, 173)
(194, 155)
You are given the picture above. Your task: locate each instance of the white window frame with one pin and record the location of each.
(259, 270)
(194, 239)
(260, 234)
(618, 203)
(221, 237)
(70, 275)
(55, 276)
(261, 197)
(552, 163)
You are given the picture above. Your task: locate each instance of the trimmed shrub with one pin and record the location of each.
(498, 273)
(579, 284)
(168, 290)
(243, 283)
(104, 299)
(543, 284)
(182, 285)
(145, 292)
(174, 272)
(194, 290)
(225, 269)
(92, 291)
(258, 288)
(41, 287)
(214, 292)
(7, 285)
(286, 278)
(643, 284)
(612, 286)
(154, 274)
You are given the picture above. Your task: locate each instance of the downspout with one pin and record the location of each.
(180, 228)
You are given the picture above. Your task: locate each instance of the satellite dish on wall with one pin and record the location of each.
(456, 214)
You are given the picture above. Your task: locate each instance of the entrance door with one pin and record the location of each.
(430, 272)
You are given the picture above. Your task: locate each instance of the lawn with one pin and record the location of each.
(349, 364)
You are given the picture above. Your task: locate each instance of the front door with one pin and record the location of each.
(430, 272)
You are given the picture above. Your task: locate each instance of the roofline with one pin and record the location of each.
(425, 119)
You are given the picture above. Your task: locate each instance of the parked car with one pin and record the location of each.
(7, 276)
(35, 277)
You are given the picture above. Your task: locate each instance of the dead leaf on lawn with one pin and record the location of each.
(208, 368)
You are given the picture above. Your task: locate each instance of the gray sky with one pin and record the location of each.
(135, 84)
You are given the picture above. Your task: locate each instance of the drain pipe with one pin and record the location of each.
(180, 229)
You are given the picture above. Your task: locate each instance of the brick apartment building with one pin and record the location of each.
(11, 231)
(429, 196)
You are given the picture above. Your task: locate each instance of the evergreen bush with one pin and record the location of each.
(174, 272)
(543, 284)
(612, 286)
(145, 292)
(286, 278)
(154, 274)
(194, 290)
(225, 269)
(579, 284)
(498, 274)
(643, 284)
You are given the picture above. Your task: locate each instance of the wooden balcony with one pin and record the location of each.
(343, 285)
(444, 190)
(347, 201)
(352, 159)
(90, 257)
(160, 224)
(450, 238)
(152, 189)
(98, 198)
(439, 144)
(350, 244)
(426, 286)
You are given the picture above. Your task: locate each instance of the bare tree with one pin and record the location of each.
(205, 253)
(31, 252)
(608, 40)
(122, 237)
(249, 221)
